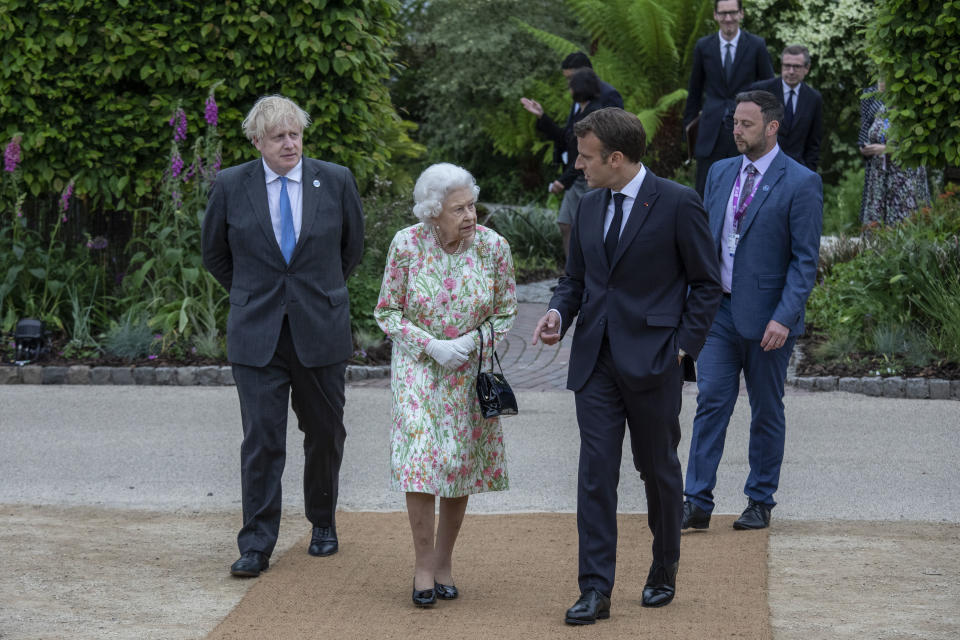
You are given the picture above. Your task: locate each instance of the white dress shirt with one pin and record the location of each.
(294, 192)
(786, 94)
(630, 191)
(733, 49)
(726, 260)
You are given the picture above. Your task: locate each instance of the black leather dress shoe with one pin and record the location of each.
(424, 597)
(661, 585)
(591, 606)
(250, 565)
(445, 591)
(323, 542)
(694, 517)
(755, 516)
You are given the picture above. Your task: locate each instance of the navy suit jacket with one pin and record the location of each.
(241, 251)
(802, 140)
(659, 295)
(775, 266)
(709, 90)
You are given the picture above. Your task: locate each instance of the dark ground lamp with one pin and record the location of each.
(30, 339)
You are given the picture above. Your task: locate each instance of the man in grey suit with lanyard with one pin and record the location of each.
(282, 233)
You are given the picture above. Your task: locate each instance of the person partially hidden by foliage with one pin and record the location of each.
(890, 192)
(585, 90)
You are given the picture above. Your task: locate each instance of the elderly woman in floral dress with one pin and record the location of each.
(444, 278)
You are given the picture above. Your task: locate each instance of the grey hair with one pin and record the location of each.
(270, 112)
(433, 186)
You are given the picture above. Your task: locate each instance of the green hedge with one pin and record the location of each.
(90, 85)
(917, 48)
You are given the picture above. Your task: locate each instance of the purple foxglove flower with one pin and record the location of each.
(210, 112)
(11, 155)
(176, 165)
(65, 199)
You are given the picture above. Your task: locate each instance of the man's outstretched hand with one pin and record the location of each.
(548, 329)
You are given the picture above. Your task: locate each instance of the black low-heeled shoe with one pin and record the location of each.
(424, 597)
(445, 591)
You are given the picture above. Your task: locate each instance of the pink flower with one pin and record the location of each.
(478, 483)
(451, 331)
(451, 477)
(497, 473)
(449, 283)
(487, 471)
(476, 433)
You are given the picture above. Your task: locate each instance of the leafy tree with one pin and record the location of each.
(840, 69)
(644, 48)
(916, 45)
(466, 67)
(90, 85)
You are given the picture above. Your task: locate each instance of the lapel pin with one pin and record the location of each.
(766, 187)
(645, 204)
(316, 183)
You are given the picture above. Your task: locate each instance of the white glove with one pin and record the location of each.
(449, 354)
(466, 342)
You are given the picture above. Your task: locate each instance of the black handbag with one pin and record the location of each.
(493, 391)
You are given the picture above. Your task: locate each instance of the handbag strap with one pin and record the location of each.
(495, 357)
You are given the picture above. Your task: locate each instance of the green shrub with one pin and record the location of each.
(131, 338)
(841, 204)
(901, 288)
(89, 85)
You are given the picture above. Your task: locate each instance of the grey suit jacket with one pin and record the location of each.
(241, 251)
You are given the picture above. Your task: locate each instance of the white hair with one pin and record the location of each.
(433, 186)
(270, 112)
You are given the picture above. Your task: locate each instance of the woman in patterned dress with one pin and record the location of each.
(444, 278)
(890, 193)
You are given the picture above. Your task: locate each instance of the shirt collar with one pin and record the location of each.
(293, 175)
(734, 42)
(763, 162)
(632, 188)
(787, 88)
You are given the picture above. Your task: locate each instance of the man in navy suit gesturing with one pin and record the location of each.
(642, 283)
(766, 213)
(724, 64)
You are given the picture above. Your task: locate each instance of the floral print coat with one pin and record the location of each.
(439, 443)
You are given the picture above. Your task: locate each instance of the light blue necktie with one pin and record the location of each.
(288, 235)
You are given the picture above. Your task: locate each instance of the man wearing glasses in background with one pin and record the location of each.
(724, 64)
(802, 128)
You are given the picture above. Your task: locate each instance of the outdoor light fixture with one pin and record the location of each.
(29, 338)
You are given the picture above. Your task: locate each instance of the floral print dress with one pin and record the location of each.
(890, 193)
(439, 442)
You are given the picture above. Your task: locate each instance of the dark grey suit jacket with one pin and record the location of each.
(801, 141)
(659, 295)
(241, 251)
(709, 90)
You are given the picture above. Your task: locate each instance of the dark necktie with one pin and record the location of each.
(745, 198)
(788, 111)
(728, 61)
(613, 233)
(288, 234)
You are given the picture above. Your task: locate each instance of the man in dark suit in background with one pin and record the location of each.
(642, 281)
(766, 212)
(724, 64)
(802, 128)
(282, 234)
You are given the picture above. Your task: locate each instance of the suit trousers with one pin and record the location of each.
(604, 405)
(724, 355)
(317, 398)
(725, 147)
